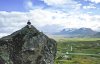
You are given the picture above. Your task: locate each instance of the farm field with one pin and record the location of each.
(78, 50)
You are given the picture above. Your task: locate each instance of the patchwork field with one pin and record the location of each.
(78, 51)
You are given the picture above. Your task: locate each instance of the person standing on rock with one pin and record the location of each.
(29, 24)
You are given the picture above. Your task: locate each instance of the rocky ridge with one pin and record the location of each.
(27, 46)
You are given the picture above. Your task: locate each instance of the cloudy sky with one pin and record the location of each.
(49, 15)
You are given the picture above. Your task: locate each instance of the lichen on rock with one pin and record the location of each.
(27, 46)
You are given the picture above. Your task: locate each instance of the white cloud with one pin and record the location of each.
(28, 4)
(12, 21)
(95, 1)
(90, 6)
(56, 2)
(63, 4)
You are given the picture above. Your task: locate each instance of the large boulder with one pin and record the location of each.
(27, 46)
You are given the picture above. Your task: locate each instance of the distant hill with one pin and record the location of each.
(73, 32)
(97, 34)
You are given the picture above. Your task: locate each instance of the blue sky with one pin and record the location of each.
(22, 5)
(12, 5)
(46, 13)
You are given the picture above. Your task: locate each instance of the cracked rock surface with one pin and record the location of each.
(27, 46)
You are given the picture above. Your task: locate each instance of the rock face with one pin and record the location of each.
(27, 46)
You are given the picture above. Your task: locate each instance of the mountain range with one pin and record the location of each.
(78, 32)
(97, 35)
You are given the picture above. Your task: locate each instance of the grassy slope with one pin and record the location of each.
(79, 45)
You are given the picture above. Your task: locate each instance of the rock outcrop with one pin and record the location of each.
(27, 46)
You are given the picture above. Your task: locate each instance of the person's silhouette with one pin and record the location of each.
(29, 24)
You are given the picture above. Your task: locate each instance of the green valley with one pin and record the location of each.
(78, 50)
